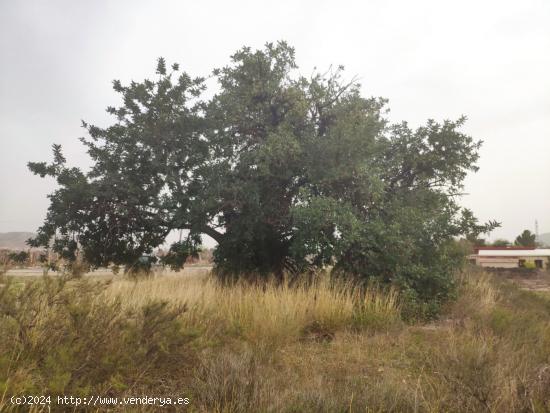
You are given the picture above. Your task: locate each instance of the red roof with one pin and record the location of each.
(503, 248)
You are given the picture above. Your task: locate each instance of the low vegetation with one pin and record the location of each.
(319, 347)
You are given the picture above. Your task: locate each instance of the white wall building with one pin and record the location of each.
(511, 257)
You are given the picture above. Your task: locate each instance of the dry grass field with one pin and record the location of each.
(326, 347)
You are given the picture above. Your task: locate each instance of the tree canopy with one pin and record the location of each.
(500, 243)
(526, 239)
(285, 172)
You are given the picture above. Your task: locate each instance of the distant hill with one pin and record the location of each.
(544, 239)
(15, 240)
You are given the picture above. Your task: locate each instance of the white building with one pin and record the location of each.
(511, 257)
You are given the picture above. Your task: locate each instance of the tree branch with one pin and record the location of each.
(212, 233)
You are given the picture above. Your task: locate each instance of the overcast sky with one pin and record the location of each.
(488, 60)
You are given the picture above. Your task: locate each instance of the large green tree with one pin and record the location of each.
(284, 172)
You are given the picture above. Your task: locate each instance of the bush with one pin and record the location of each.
(19, 258)
(529, 265)
(60, 337)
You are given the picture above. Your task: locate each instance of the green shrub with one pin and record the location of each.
(529, 265)
(61, 337)
(19, 258)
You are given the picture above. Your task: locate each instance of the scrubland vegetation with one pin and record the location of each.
(313, 347)
(290, 175)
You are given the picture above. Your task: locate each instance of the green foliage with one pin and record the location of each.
(58, 338)
(284, 172)
(530, 265)
(500, 243)
(179, 252)
(475, 241)
(20, 257)
(526, 239)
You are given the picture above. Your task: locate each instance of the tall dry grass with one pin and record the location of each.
(320, 347)
(270, 312)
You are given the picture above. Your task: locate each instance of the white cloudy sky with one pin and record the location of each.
(489, 60)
